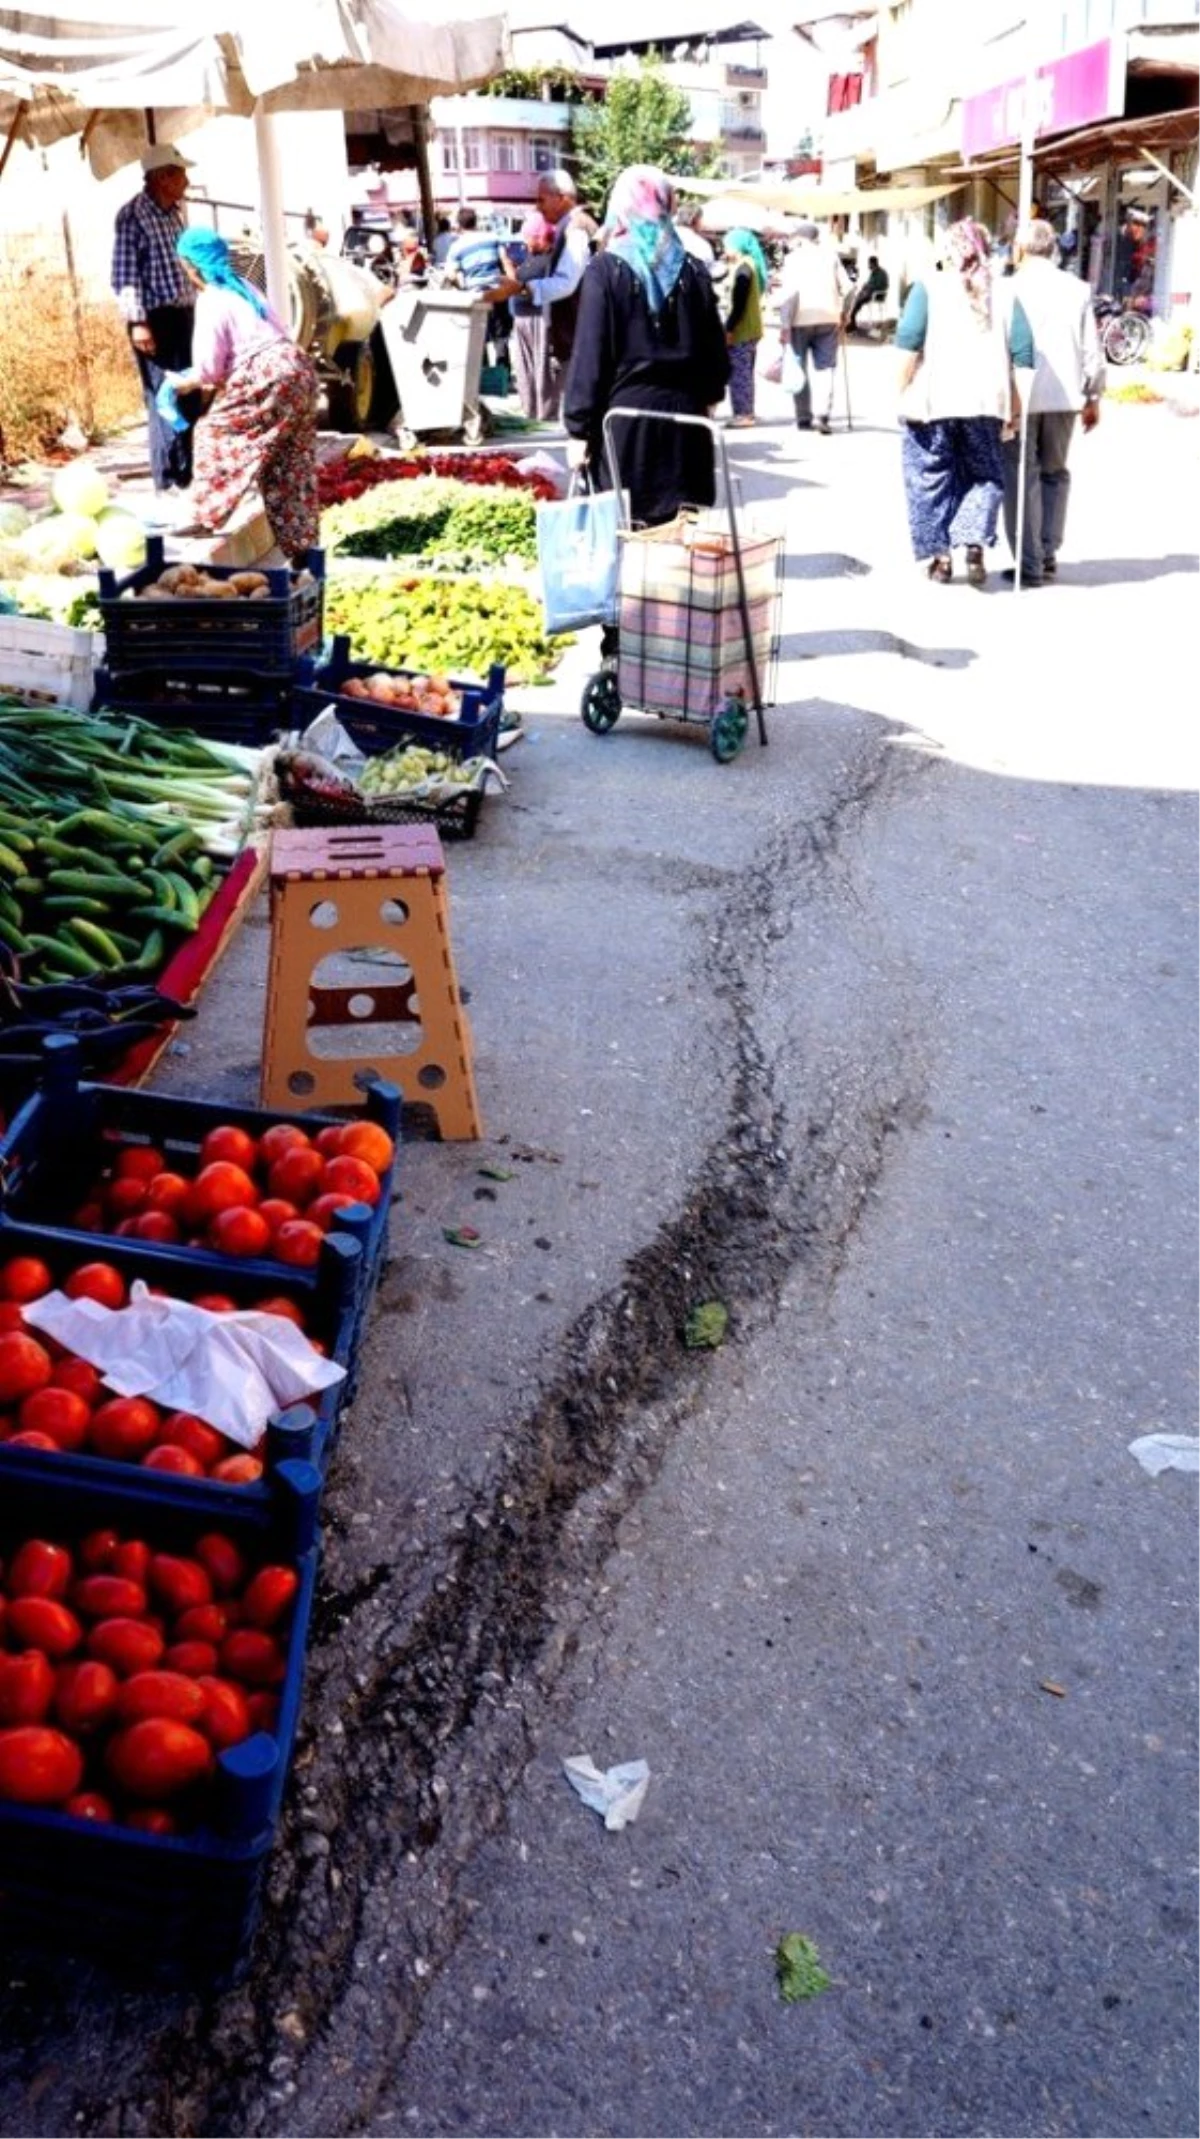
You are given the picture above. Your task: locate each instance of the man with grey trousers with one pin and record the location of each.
(1068, 381)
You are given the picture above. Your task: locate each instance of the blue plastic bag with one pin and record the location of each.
(166, 401)
(577, 554)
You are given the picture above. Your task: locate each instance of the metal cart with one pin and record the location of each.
(697, 614)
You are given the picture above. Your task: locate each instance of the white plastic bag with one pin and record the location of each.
(577, 554)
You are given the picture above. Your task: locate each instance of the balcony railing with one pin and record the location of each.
(746, 77)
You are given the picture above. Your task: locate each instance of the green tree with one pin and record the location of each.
(642, 118)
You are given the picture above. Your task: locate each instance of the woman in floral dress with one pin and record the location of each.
(260, 432)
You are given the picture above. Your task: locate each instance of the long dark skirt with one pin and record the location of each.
(953, 483)
(662, 465)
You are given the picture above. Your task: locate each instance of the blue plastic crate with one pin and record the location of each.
(163, 1909)
(233, 708)
(67, 1132)
(307, 1432)
(181, 637)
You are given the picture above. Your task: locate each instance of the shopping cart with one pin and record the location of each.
(698, 605)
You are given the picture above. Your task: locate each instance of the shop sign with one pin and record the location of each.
(1072, 91)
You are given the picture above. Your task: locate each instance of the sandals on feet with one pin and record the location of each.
(976, 566)
(941, 569)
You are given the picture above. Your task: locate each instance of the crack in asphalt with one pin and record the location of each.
(408, 1754)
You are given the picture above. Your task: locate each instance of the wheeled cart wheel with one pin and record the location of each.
(728, 730)
(600, 706)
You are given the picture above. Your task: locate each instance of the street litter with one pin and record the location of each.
(462, 1236)
(798, 1969)
(706, 1326)
(616, 1793)
(1167, 1452)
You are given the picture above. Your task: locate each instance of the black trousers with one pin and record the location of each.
(170, 451)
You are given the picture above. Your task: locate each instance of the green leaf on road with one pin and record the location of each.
(462, 1236)
(706, 1326)
(798, 1969)
(497, 1173)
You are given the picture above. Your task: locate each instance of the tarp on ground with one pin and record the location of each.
(812, 202)
(95, 67)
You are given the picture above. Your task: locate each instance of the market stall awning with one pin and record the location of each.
(72, 69)
(814, 202)
(1086, 147)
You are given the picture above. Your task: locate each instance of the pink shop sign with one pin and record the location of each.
(1067, 92)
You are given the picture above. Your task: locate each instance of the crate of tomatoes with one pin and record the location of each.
(151, 1669)
(209, 1186)
(60, 1418)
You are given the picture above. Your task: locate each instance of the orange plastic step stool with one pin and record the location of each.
(346, 892)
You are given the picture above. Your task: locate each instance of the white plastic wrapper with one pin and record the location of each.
(1167, 1452)
(233, 1370)
(615, 1793)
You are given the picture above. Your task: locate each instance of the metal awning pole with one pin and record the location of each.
(1024, 203)
(270, 208)
(1188, 192)
(13, 131)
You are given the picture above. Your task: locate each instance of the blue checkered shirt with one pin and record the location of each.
(146, 270)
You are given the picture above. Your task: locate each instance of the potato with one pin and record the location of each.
(248, 583)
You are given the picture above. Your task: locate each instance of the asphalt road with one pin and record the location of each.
(884, 1037)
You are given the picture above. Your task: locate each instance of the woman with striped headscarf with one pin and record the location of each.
(960, 352)
(649, 340)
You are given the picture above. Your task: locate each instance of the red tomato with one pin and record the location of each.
(24, 1277)
(264, 1711)
(367, 1141)
(230, 1143)
(239, 1231)
(156, 1226)
(90, 1805)
(278, 1304)
(351, 1176)
(79, 1376)
(173, 1462)
(299, 1242)
(237, 1470)
(281, 1137)
(39, 1570)
(192, 1658)
(324, 1209)
(204, 1622)
(98, 1550)
(277, 1211)
(252, 1656)
(43, 1623)
(179, 1583)
(25, 1365)
(167, 1192)
(85, 1695)
(124, 1229)
(97, 1281)
(226, 1718)
(89, 1218)
(38, 1766)
(137, 1162)
(109, 1596)
(159, 1693)
(59, 1413)
(26, 1687)
(11, 1317)
(129, 1645)
(124, 1428)
(132, 1559)
(329, 1139)
(153, 1819)
(224, 1563)
(125, 1198)
(34, 1440)
(157, 1757)
(183, 1430)
(217, 1303)
(269, 1595)
(297, 1175)
(219, 1187)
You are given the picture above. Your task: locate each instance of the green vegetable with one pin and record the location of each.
(460, 625)
(798, 1969)
(706, 1326)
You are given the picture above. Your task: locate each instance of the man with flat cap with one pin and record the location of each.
(156, 301)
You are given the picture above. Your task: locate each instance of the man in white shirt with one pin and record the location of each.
(812, 292)
(1068, 381)
(555, 294)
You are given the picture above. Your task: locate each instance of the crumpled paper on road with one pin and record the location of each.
(1166, 1452)
(615, 1793)
(231, 1370)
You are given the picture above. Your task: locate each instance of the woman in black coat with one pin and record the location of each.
(648, 337)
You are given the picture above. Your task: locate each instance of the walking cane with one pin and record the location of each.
(845, 373)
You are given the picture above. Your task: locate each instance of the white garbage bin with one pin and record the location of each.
(435, 341)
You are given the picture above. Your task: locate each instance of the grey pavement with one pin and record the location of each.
(885, 1037)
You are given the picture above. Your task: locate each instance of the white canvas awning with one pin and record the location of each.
(74, 69)
(812, 202)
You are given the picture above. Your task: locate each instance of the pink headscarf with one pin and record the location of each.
(968, 251)
(535, 230)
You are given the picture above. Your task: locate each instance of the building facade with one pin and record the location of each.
(933, 91)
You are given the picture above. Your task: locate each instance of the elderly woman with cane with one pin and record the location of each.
(960, 352)
(260, 432)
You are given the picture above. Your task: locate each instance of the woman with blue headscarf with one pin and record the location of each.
(648, 339)
(260, 432)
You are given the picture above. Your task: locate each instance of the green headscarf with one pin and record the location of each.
(745, 242)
